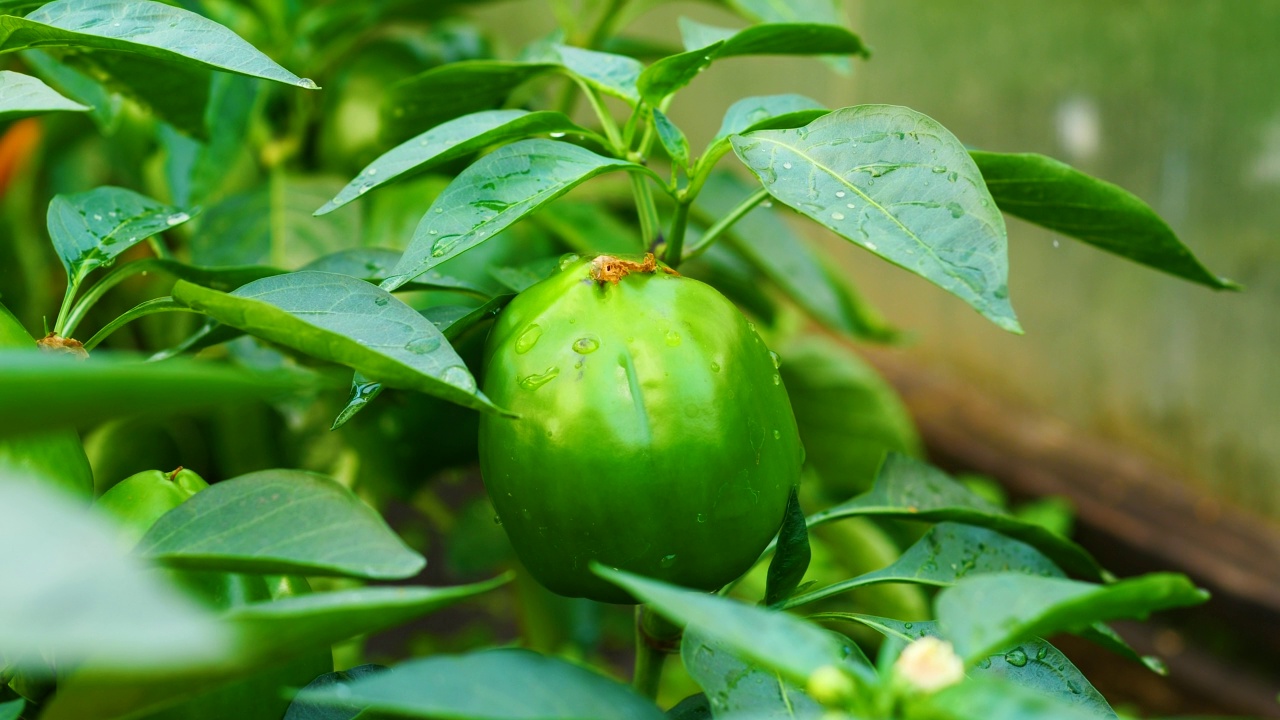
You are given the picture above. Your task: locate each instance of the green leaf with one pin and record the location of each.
(348, 321)
(848, 415)
(494, 192)
(1035, 664)
(588, 228)
(421, 102)
(12, 710)
(280, 522)
(177, 94)
(90, 229)
(898, 184)
(769, 244)
(71, 593)
(493, 685)
(302, 709)
(611, 74)
(774, 640)
(22, 96)
(146, 28)
(270, 633)
(732, 684)
(105, 106)
(672, 139)
(791, 559)
(272, 224)
(197, 169)
(768, 112)
(908, 489)
(39, 392)
(705, 44)
(985, 613)
(948, 552)
(451, 140)
(375, 264)
(1055, 195)
(519, 279)
(994, 699)
(771, 11)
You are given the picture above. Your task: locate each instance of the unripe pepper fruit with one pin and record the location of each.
(654, 433)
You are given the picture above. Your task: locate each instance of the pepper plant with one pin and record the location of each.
(321, 370)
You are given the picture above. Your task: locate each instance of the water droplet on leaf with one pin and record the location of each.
(1016, 657)
(459, 377)
(528, 339)
(537, 380)
(585, 345)
(422, 345)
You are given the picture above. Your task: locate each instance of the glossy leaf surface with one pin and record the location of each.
(282, 522)
(899, 184)
(491, 194)
(911, 490)
(734, 685)
(152, 29)
(611, 74)
(1055, 195)
(765, 112)
(985, 613)
(348, 321)
(301, 709)
(90, 229)
(791, 560)
(421, 102)
(995, 699)
(493, 685)
(22, 96)
(448, 141)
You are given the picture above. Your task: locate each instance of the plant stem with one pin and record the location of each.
(675, 237)
(149, 307)
(63, 311)
(656, 638)
(714, 232)
(645, 208)
(95, 292)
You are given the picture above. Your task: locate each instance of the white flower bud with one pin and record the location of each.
(929, 664)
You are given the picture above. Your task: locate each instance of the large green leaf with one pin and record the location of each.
(151, 29)
(105, 106)
(448, 141)
(1034, 664)
(994, 699)
(948, 552)
(421, 102)
(39, 392)
(270, 633)
(1055, 195)
(733, 684)
(768, 112)
(178, 94)
(611, 74)
(197, 169)
(774, 640)
(22, 96)
(908, 489)
(772, 11)
(769, 244)
(492, 685)
(848, 415)
(303, 709)
(898, 184)
(985, 613)
(71, 593)
(12, 709)
(280, 522)
(494, 192)
(705, 44)
(348, 321)
(272, 224)
(90, 229)
(375, 265)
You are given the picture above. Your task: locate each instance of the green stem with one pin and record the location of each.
(606, 120)
(149, 307)
(645, 208)
(675, 236)
(714, 232)
(828, 591)
(604, 23)
(656, 638)
(114, 277)
(67, 297)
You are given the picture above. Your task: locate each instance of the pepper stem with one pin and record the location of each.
(656, 638)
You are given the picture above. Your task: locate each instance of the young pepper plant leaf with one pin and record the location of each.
(422, 102)
(768, 112)
(104, 105)
(493, 193)
(518, 685)
(375, 265)
(12, 710)
(448, 141)
(22, 96)
(733, 684)
(611, 74)
(90, 229)
(1055, 195)
(280, 522)
(151, 29)
(672, 138)
(985, 613)
(791, 560)
(348, 321)
(909, 489)
(775, 640)
(992, 698)
(899, 184)
(302, 709)
(1034, 664)
(704, 44)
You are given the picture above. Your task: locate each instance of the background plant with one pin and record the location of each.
(218, 237)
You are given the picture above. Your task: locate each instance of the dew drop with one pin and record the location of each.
(309, 84)
(381, 301)
(1016, 657)
(459, 377)
(715, 367)
(777, 379)
(95, 215)
(556, 134)
(777, 361)
(371, 171)
(422, 143)
(849, 205)
(497, 520)
(871, 246)
(433, 232)
(786, 165)
(839, 193)
(528, 339)
(777, 434)
(702, 517)
(984, 663)
(568, 259)
(364, 188)
(439, 210)
(938, 169)
(907, 626)
(537, 380)
(673, 338)
(766, 204)
(667, 561)
(422, 345)
(837, 216)
(586, 345)
(1041, 653)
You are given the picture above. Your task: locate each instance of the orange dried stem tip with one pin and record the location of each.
(55, 343)
(610, 269)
